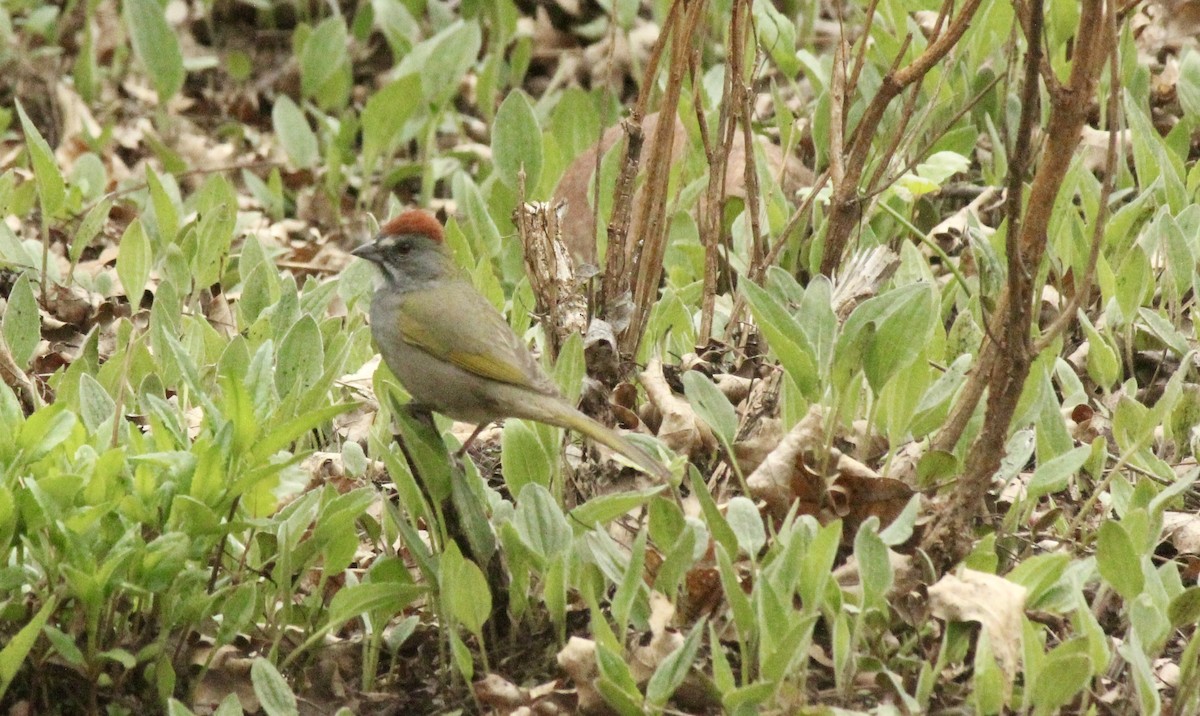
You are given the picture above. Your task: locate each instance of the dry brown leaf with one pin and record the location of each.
(680, 429)
(663, 640)
(578, 660)
(784, 475)
(993, 601)
(1182, 531)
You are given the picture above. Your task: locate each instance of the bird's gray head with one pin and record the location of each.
(409, 250)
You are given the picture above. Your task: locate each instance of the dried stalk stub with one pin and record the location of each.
(557, 289)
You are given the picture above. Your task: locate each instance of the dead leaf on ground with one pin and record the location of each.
(681, 429)
(996, 603)
(578, 660)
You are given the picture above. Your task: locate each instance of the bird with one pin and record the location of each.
(453, 351)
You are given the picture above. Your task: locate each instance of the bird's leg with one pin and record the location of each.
(467, 443)
(420, 411)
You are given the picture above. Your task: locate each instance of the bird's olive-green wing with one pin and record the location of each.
(470, 333)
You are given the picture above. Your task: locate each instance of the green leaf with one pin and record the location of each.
(902, 320)
(674, 668)
(90, 227)
(465, 592)
(325, 64)
(717, 525)
(874, 566)
(540, 522)
(746, 522)
(385, 115)
(1054, 475)
(156, 45)
(602, 510)
(45, 430)
(283, 435)
(22, 322)
(523, 458)
(1185, 608)
(739, 602)
(273, 692)
(443, 60)
(297, 138)
(95, 404)
(712, 406)
(1118, 561)
(14, 652)
(785, 337)
(1061, 677)
(517, 142)
(50, 186)
(134, 257)
(301, 357)
(1188, 86)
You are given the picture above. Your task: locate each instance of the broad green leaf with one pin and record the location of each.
(605, 508)
(785, 337)
(517, 143)
(134, 259)
(1061, 677)
(301, 357)
(156, 45)
(359, 599)
(22, 322)
(1185, 608)
(1118, 561)
(1188, 86)
(746, 522)
(1055, 474)
(293, 132)
(325, 64)
(12, 656)
(674, 668)
(385, 115)
(465, 592)
(50, 186)
(279, 437)
(874, 566)
(273, 692)
(540, 522)
(712, 406)
(95, 404)
(523, 458)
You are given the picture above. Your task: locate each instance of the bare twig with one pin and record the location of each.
(844, 205)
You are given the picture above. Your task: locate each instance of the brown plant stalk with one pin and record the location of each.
(1007, 360)
(845, 202)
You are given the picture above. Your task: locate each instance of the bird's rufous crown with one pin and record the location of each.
(413, 221)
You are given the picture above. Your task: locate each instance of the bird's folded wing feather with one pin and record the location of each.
(492, 351)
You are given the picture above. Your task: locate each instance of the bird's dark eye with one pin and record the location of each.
(403, 247)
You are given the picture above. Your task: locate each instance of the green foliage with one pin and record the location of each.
(163, 490)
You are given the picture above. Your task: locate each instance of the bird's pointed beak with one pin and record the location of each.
(370, 252)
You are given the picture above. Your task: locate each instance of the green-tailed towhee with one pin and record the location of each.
(453, 350)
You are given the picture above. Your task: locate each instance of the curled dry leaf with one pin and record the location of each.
(750, 452)
(993, 601)
(792, 473)
(784, 475)
(497, 692)
(948, 234)
(1182, 531)
(680, 429)
(663, 640)
(578, 660)
(228, 672)
(735, 387)
(861, 277)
